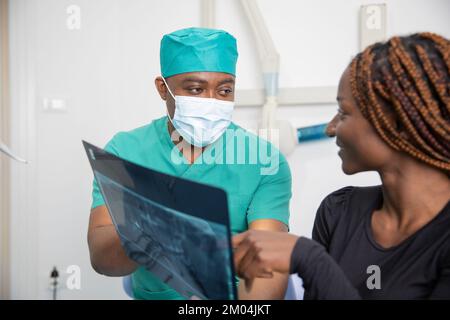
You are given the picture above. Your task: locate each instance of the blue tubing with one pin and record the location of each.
(311, 133)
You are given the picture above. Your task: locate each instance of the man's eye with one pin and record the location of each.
(225, 91)
(195, 90)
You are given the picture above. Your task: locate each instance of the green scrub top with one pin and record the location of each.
(258, 184)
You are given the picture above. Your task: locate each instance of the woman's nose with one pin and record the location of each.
(331, 128)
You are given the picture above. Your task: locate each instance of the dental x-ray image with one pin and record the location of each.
(166, 225)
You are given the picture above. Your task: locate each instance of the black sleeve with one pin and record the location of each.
(322, 278)
(442, 286)
(328, 214)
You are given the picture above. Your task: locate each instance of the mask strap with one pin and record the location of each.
(167, 86)
(167, 111)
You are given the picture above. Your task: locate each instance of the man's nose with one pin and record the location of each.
(208, 93)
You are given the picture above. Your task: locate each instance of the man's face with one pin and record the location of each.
(217, 85)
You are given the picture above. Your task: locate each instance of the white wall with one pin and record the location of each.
(105, 72)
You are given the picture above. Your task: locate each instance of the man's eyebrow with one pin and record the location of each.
(229, 80)
(193, 79)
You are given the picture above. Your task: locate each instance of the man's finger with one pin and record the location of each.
(247, 261)
(248, 284)
(237, 239)
(240, 252)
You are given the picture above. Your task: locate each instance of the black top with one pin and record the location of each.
(342, 262)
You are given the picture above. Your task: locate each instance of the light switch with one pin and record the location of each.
(54, 105)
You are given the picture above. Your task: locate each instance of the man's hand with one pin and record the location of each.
(107, 255)
(260, 253)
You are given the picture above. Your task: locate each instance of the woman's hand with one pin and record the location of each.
(257, 254)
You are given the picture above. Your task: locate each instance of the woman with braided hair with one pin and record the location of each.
(383, 242)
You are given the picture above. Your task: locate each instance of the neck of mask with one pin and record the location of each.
(200, 121)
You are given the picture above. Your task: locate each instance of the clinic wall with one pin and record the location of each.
(105, 72)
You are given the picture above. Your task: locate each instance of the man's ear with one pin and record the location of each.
(161, 87)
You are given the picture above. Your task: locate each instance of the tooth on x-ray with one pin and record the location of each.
(9, 153)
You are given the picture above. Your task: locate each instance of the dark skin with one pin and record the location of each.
(413, 192)
(215, 85)
(107, 254)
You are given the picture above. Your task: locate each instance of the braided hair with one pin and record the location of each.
(402, 87)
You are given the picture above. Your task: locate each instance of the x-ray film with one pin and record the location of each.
(178, 229)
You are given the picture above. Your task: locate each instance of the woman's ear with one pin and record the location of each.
(393, 118)
(397, 124)
(161, 87)
(400, 128)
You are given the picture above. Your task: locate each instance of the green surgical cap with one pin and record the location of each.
(197, 50)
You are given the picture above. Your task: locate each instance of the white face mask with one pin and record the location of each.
(200, 121)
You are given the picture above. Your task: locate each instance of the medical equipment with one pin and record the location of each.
(4, 149)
